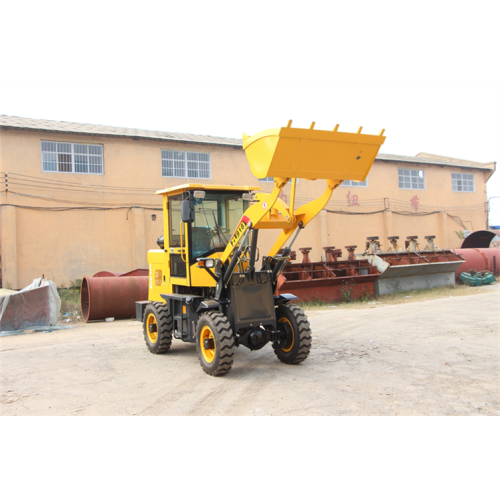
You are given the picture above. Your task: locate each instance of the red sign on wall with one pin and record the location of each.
(352, 200)
(414, 202)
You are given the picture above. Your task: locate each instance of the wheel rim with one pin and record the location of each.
(207, 334)
(289, 333)
(152, 335)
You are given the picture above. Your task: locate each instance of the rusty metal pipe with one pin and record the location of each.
(111, 297)
(305, 255)
(479, 259)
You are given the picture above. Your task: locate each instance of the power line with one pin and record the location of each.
(67, 209)
(37, 180)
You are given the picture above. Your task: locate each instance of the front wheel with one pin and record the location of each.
(215, 343)
(158, 327)
(296, 343)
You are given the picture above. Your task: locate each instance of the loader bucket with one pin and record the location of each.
(311, 154)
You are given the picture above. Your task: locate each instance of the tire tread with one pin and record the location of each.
(226, 342)
(165, 329)
(304, 338)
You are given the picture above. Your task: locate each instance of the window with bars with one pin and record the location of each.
(462, 182)
(411, 179)
(271, 179)
(356, 183)
(71, 158)
(185, 164)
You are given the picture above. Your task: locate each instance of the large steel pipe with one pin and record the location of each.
(111, 274)
(479, 259)
(112, 297)
(107, 274)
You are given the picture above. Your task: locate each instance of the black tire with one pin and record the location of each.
(297, 344)
(216, 356)
(158, 327)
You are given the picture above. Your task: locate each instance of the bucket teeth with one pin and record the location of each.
(288, 153)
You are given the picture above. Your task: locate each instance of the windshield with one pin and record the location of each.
(215, 219)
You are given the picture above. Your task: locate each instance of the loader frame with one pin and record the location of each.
(216, 296)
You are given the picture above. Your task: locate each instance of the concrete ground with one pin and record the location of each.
(436, 357)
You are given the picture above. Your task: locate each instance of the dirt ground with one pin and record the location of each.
(436, 357)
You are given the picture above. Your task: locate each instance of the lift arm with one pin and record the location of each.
(292, 153)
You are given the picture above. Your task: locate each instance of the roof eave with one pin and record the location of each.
(122, 136)
(435, 163)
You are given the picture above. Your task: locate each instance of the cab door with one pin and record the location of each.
(178, 239)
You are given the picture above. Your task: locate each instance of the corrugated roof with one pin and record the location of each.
(103, 130)
(133, 133)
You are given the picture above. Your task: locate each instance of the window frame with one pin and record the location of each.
(185, 161)
(461, 174)
(271, 179)
(363, 184)
(73, 155)
(412, 188)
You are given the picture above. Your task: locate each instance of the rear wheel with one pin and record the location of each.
(215, 343)
(158, 328)
(296, 344)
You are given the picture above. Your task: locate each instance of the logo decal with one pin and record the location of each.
(239, 230)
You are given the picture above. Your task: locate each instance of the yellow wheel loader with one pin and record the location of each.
(205, 283)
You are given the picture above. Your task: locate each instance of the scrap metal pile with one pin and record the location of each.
(332, 279)
(323, 280)
(374, 272)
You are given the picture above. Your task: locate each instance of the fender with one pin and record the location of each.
(283, 298)
(207, 305)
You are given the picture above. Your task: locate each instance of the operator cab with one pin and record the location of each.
(200, 222)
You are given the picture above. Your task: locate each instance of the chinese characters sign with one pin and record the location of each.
(352, 200)
(414, 203)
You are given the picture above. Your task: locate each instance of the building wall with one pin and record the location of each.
(383, 209)
(67, 244)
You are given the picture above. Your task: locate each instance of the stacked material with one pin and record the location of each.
(37, 304)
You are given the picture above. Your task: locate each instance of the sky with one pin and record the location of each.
(429, 76)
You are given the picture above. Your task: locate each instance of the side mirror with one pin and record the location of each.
(187, 211)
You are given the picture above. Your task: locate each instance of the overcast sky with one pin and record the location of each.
(428, 75)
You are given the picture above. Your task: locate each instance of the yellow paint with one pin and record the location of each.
(202, 187)
(289, 344)
(206, 334)
(151, 322)
(306, 153)
(200, 277)
(240, 229)
(311, 154)
(158, 277)
(158, 261)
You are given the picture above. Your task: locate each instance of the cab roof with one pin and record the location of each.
(205, 187)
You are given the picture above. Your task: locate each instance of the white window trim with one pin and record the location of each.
(72, 158)
(462, 174)
(413, 188)
(351, 186)
(271, 179)
(185, 165)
